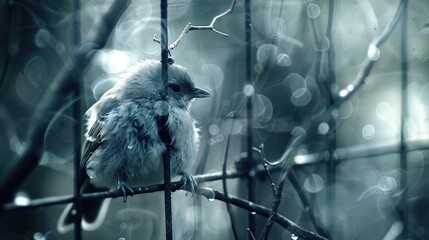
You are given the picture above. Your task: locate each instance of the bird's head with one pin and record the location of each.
(181, 88)
(144, 80)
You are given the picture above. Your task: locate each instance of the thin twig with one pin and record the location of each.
(263, 211)
(261, 151)
(224, 185)
(279, 189)
(54, 98)
(309, 209)
(211, 27)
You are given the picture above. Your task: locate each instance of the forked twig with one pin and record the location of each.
(191, 27)
(285, 160)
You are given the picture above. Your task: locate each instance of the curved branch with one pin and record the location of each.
(54, 98)
(348, 92)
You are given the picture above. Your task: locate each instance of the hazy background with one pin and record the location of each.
(290, 73)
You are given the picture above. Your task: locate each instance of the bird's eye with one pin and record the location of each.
(175, 87)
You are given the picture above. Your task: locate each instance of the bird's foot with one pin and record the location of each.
(189, 182)
(126, 190)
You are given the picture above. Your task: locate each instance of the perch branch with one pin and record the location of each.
(211, 27)
(207, 192)
(61, 86)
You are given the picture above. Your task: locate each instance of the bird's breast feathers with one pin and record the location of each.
(132, 148)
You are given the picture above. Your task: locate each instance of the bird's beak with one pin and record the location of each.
(199, 93)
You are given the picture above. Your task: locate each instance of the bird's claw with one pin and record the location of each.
(189, 182)
(126, 190)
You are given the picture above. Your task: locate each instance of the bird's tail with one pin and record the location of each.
(93, 212)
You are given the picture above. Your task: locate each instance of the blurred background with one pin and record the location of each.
(361, 166)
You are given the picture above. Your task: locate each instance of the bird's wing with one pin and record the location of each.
(94, 138)
(92, 141)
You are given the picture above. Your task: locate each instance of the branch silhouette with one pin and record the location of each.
(177, 185)
(52, 101)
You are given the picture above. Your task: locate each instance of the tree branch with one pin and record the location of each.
(286, 159)
(207, 192)
(350, 90)
(61, 86)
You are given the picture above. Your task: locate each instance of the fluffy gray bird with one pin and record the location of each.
(123, 148)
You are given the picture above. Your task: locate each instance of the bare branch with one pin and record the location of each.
(351, 89)
(263, 211)
(285, 159)
(211, 27)
(224, 185)
(54, 98)
(207, 192)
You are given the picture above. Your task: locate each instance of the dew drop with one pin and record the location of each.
(313, 10)
(42, 38)
(253, 213)
(368, 131)
(314, 183)
(343, 93)
(323, 128)
(214, 129)
(387, 184)
(130, 146)
(249, 90)
(22, 199)
(283, 60)
(294, 237)
(39, 236)
(373, 52)
(208, 193)
(301, 97)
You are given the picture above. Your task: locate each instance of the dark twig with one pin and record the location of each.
(404, 114)
(309, 209)
(54, 98)
(162, 123)
(252, 237)
(279, 189)
(224, 185)
(211, 27)
(77, 114)
(261, 151)
(251, 182)
(207, 192)
(263, 211)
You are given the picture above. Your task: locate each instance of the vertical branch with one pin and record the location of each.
(162, 122)
(53, 100)
(332, 136)
(77, 114)
(224, 185)
(404, 115)
(250, 178)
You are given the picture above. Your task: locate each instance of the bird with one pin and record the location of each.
(123, 148)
